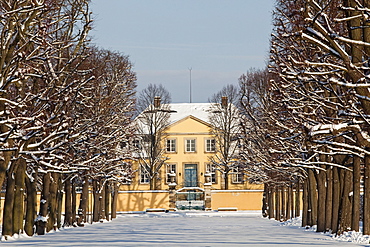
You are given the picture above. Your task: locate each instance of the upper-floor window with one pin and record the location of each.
(171, 145)
(190, 145)
(169, 169)
(237, 175)
(210, 145)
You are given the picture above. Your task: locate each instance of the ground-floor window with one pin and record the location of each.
(144, 175)
(170, 168)
(211, 169)
(237, 175)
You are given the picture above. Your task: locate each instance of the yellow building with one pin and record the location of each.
(187, 147)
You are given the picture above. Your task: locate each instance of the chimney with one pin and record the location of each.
(224, 101)
(157, 101)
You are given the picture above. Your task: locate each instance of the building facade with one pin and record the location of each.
(186, 147)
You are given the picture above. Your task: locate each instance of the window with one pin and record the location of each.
(171, 145)
(211, 169)
(170, 168)
(210, 145)
(237, 175)
(190, 145)
(144, 175)
(136, 143)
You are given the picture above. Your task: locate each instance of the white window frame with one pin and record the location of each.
(211, 169)
(209, 146)
(189, 146)
(236, 175)
(171, 145)
(144, 176)
(169, 168)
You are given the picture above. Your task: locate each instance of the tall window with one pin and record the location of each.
(237, 175)
(171, 145)
(170, 168)
(210, 145)
(211, 169)
(136, 143)
(190, 145)
(144, 175)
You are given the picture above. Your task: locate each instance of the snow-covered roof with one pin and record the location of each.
(183, 110)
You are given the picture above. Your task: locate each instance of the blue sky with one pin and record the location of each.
(218, 39)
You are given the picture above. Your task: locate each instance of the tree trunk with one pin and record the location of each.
(312, 195)
(114, 200)
(283, 203)
(106, 201)
(305, 213)
(7, 230)
(68, 203)
(31, 204)
(277, 203)
(329, 199)
(74, 203)
(53, 202)
(297, 210)
(336, 200)
(346, 206)
(271, 201)
(84, 200)
(96, 195)
(321, 202)
(355, 225)
(289, 207)
(265, 200)
(102, 202)
(59, 201)
(44, 204)
(366, 196)
(18, 209)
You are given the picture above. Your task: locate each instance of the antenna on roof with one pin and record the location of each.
(190, 83)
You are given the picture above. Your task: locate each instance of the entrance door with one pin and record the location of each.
(191, 178)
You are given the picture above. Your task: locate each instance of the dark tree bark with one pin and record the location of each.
(277, 203)
(297, 199)
(106, 201)
(336, 200)
(366, 207)
(7, 230)
(114, 200)
(18, 209)
(30, 205)
(321, 202)
(53, 202)
(271, 195)
(97, 204)
(44, 205)
(312, 196)
(355, 225)
(74, 203)
(68, 203)
(329, 199)
(84, 200)
(305, 214)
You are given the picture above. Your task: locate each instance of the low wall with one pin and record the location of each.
(141, 200)
(240, 199)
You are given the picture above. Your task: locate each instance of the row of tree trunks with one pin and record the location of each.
(19, 212)
(331, 198)
(281, 202)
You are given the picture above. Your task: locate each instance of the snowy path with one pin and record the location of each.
(184, 229)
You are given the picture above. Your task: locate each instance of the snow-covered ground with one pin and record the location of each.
(189, 228)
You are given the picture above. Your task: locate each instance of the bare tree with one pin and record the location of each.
(153, 106)
(225, 118)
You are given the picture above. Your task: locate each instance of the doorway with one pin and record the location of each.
(191, 175)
